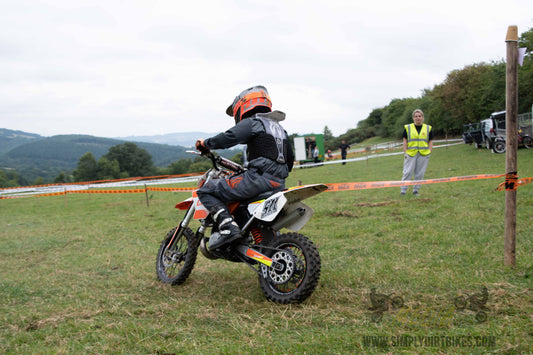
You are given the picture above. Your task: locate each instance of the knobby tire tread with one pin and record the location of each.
(188, 264)
(311, 278)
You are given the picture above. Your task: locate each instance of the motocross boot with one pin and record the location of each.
(227, 227)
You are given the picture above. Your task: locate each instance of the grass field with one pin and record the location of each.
(77, 274)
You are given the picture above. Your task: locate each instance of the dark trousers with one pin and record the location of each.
(238, 188)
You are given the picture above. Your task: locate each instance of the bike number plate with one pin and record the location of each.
(270, 208)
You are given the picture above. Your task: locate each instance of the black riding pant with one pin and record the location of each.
(238, 188)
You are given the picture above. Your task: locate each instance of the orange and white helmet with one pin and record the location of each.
(253, 98)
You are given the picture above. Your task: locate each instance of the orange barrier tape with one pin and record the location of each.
(139, 178)
(519, 182)
(380, 184)
(171, 188)
(511, 183)
(131, 191)
(166, 189)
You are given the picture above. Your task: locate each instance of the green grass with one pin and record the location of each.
(77, 274)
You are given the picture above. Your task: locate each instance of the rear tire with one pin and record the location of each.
(527, 141)
(301, 269)
(175, 263)
(499, 147)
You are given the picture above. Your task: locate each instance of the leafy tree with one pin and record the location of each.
(4, 181)
(179, 167)
(327, 134)
(393, 117)
(237, 158)
(199, 165)
(87, 168)
(10, 178)
(525, 74)
(108, 170)
(62, 178)
(132, 160)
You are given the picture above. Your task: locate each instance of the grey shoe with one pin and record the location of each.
(228, 229)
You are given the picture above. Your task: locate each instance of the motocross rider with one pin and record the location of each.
(269, 154)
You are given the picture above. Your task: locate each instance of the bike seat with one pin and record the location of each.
(261, 196)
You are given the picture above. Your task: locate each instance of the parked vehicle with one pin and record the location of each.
(304, 148)
(494, 127)
(473, 133)
(524, 140)
(498, 145)
(287, 264)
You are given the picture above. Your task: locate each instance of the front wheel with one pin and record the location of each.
(176, 257)
(527, 141)
(299, 273)
(499, 147)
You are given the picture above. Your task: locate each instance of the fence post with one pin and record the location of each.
(146, 194)
(511, 107)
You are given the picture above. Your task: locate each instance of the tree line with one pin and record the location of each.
(467, 95)
(128, 160)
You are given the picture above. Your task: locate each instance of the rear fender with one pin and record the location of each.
(270, 208)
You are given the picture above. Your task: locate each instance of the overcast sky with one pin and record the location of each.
(115, 68)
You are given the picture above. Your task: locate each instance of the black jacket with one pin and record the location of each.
(248, 132)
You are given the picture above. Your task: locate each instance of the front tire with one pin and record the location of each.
(175, 262)
(301, 269)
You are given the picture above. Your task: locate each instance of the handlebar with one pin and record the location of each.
(226, 163)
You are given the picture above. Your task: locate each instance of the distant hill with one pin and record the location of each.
(186, 139)
(11, 139)
(35, 156)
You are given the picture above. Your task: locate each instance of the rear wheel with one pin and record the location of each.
(299, 269)
(176, 261)
(460, 302)
(499, 147)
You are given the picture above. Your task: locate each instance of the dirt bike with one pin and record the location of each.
(382, 302)
(476, 302)
(287, 264)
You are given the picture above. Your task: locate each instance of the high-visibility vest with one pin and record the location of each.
(417, 142)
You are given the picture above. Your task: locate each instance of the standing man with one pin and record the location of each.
(343, 147)
(417, 147)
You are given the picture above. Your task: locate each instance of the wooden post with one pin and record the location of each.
(511, 126)
(146, 194)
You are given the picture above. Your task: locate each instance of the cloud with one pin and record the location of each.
(114, 68)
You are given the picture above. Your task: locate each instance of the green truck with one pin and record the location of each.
(309, 148)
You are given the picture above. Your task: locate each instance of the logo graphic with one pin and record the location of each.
(476, 302)
(382, 302)
(232, 182)
(270, 207)
(274, 184)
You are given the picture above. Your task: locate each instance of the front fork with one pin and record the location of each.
(181, 227)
